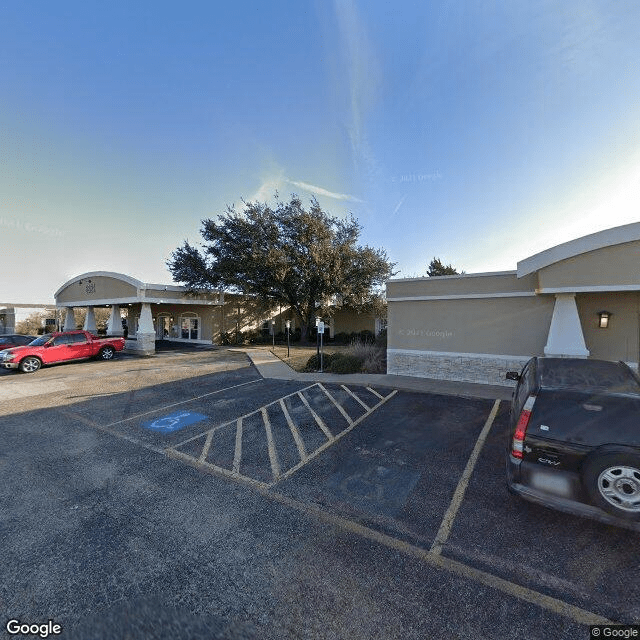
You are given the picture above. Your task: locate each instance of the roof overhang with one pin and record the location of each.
(599, 240)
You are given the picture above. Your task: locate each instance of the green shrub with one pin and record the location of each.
(345, 363)
(313, 363)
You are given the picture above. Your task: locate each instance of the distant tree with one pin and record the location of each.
(35, 322)
(436, 268)
(287, 255)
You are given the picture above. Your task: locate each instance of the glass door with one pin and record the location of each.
(189, 329)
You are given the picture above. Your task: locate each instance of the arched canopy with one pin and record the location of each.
(589, 258)
(97, 288)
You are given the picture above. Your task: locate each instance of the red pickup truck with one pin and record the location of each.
(59, 347)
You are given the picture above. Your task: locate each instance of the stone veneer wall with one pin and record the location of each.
(479, 368)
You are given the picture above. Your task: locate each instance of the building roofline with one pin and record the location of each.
(108, 274)
(591, 242)
(458, 275)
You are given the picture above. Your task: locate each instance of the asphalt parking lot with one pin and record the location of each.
(186, 496)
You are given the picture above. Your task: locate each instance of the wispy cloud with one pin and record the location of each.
(398, 205)
(319, 191)
(363, 77)
(267, 189)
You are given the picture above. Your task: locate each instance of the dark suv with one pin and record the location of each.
(574, 439)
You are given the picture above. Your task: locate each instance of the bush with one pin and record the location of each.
(367, 337)
(372, 356)
(381, 339)
(313, 363)
(228, 338)
(345, 363)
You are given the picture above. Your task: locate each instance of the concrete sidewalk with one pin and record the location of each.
(270, 366)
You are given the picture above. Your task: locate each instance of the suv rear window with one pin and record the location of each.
(587, 375)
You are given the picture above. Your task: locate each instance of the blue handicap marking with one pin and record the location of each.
(174, 421)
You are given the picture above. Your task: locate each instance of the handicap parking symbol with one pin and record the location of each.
(174, 421)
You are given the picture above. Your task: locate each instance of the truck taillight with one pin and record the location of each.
(517, 447)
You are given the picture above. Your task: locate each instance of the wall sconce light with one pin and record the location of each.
(603, 319)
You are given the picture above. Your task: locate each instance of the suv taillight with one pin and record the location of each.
(521, 428)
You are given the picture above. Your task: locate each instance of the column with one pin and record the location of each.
(90, 321)
(565, 337)
(69, 320)
(146, 336)
(114, 326)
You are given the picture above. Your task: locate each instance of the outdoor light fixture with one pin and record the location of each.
(604, 317)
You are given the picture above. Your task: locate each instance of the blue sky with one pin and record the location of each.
(480, 132)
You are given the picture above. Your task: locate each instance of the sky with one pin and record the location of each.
(480, 132)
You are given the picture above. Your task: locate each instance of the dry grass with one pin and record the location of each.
(374, 358)
(300, 355)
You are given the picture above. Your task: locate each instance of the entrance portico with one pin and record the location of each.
(151, 311)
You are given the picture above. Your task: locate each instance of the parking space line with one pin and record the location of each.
(338, 406)
(214, 469)
(112, 432)
(205, 449)
(175, 404)
(435, 559)
(294, 432)
(329, 443)
(237, 454)
(355, 397)
(375, 393)
(449, 516)
(273, 454)
(199, 460)
(317, 418)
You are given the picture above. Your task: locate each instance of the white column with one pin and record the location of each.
(69, 320)
(145, 323)
(565, 337)
(114, 326)
(146, 335)
(90, 321)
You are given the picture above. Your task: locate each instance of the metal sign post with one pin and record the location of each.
(321, 332)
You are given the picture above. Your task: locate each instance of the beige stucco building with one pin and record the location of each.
(157, 311)
(150, 311)
(578, 299)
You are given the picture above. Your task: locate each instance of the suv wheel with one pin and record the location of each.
(613, 483)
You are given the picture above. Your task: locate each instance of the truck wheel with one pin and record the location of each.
(106, 353)
(29, 365)
(613, 483)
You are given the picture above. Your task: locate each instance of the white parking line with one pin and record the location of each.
(237, 454)
(449, 516)
(207, 445)
(434, 559)
(175, 404)
(294, 432)
(273, 454)
(275, 467)
(338, 406)
(355, 397)
(375, 393)
(317, 418)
